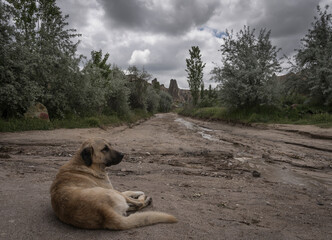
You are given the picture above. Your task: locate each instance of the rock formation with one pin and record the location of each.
(174, 90)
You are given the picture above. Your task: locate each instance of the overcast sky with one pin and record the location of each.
(158, 34)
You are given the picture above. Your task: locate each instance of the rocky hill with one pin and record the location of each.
(179, 95)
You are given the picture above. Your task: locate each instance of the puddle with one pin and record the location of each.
(187, 124)
(201, 130)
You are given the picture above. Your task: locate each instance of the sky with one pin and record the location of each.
(157, 34)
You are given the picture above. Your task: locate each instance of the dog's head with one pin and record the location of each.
(99, 151)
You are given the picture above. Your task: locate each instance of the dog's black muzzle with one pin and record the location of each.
(116, 159)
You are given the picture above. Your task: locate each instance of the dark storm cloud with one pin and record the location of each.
(166, 29)
(169, 17)
(289, 21)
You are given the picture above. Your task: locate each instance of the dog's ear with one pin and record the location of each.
(86, 155)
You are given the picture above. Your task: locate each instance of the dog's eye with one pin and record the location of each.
(105, 149)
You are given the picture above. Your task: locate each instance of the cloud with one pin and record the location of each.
(139, 57)
(168, 16)
(287, 19)
(158, 34)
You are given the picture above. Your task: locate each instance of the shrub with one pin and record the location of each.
(153, 100)
(165, 102)
(92, 122)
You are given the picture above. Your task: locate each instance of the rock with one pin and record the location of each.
(265, 156)
(320, 203)
(256, 174)
(179, 95)
(197, 195)
(37, 111)
(173, 89)
(255, 221)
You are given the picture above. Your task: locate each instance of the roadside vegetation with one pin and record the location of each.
(101, 121)
(266, 114)
(249, 89)
(39, 64)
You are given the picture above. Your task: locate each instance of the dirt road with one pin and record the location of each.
(221, 181)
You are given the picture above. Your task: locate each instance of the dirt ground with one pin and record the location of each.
(221, 181)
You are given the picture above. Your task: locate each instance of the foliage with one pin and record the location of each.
(17, 90)
(156, 85)
(99, 61)
(165, 102)
(249, 64)
(152, 100)
(138, 88)
(209, 98)
(194, 69)
(262, 114)
(314, 62)
(107, 87)
(39, 58)
(118, 92)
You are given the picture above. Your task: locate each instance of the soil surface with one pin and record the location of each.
(221, 181)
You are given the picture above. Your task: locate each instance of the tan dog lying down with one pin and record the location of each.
(82, 194)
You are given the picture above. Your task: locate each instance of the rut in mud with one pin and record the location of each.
(221, 181)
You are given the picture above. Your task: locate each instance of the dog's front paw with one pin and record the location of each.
(137, 194)
(133, 194)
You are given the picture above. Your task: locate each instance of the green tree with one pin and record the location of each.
(42, 58)
(249, 63)
(314, 61)
(194, 69)
(202, 90)
(108, 86)
(118, 96)
(152, 100)
(25, 15)
(101, 62)
(138, 86)
(17, 89)
(165, 102)
(156, 85)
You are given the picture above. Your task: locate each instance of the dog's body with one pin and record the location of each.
(82, 194)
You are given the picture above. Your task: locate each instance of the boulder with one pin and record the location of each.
(37, 111)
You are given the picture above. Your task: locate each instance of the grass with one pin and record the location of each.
(262, 114)
(21, 124)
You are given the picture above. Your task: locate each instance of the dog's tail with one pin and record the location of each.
(141, 219)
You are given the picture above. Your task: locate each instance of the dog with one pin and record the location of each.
(83, 196)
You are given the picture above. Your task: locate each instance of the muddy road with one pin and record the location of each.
(221, 181)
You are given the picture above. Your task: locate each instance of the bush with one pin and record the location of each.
(92, 122)
(165, 102)
(153, 99)
(138, 94)
(249, 64)
(118, 96)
